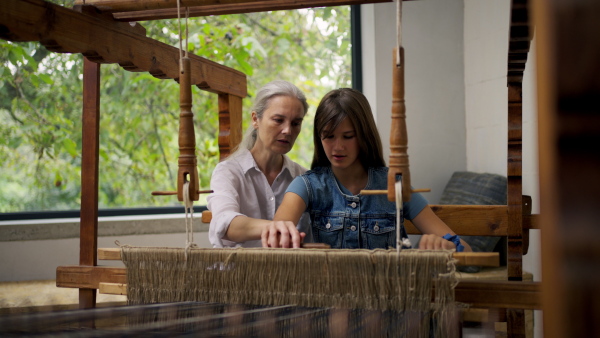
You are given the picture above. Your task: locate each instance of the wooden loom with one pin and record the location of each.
(512, 221)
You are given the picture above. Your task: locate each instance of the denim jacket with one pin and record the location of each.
(350, 221)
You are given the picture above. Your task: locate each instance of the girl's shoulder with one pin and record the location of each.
(318, 171)
(379, 169)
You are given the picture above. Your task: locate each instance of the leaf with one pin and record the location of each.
(46, 78)
(246, 67)
(140, 113)
(35, 80)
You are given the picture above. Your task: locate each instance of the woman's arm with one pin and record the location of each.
(243, 228)
(229, 225)
(282, 232)
(433, 228)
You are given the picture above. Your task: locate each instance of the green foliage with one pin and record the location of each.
(40, 106)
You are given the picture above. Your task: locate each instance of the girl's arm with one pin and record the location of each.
(433, 228)
(282, 232)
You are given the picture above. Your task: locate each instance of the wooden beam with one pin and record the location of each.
(104, 40)
(499, 294)
(484, 294)
(490, 259)
(88, 277)
(113, 6)
(258, 6)
(470, 220)
(88, 229)
(230, 124)
(112, 288)
(465, 220)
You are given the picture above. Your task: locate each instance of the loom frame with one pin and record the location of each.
(515, 219)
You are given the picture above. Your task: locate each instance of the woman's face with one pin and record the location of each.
(280, 124)
(341, 146)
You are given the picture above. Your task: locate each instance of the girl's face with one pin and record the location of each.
(341, 146)
(280, 124)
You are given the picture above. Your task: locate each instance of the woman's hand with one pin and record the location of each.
(435, 242)
(281, 234)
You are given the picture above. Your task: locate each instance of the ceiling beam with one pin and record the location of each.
(113, 6)
(132, 10)
(104, 40)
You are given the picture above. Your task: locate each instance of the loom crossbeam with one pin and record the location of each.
(466, 220)
(94, 36)
(489, 259)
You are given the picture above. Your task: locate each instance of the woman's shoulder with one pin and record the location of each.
(229, 169)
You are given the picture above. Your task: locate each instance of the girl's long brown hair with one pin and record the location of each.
(332, 110)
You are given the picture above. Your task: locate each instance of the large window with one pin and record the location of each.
(40, 106)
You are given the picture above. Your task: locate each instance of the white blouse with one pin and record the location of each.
(240, 188)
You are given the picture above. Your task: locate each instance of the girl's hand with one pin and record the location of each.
(281, 234)
(434, 242)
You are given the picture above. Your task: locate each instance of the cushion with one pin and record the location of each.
(469, 188)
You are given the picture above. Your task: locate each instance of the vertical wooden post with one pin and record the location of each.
(568, 50)
(398, 163)
(515, 317)
(519, 41)
(188, 163)
(88, 242)
(230, 124)
(515, 184)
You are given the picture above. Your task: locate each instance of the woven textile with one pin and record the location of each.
(414, 281)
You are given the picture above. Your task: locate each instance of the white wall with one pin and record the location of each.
(456, 93)
(28, 258)
(38, 260)
(434, 84)
(486, 43)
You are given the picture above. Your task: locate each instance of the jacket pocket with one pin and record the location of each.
(379, 233)
(329, 230)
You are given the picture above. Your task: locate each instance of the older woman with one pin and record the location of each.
(249, 185)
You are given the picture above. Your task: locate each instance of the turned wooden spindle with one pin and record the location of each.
(188, 170)
(398, 135)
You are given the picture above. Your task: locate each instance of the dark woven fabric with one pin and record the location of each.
(469, 188)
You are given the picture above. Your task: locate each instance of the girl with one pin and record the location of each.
(348, 158)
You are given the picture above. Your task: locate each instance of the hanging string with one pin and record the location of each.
(187, 15)
(179, 30)
(398, 31)
(187, 11)
(189, 218)
(400, 242)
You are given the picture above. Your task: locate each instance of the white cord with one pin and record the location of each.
(400, 242)
(179, 29)
(398, 187)
(189, 218)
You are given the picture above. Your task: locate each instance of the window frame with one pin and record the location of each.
(356, 55)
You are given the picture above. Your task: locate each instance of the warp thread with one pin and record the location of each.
(361, 279)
